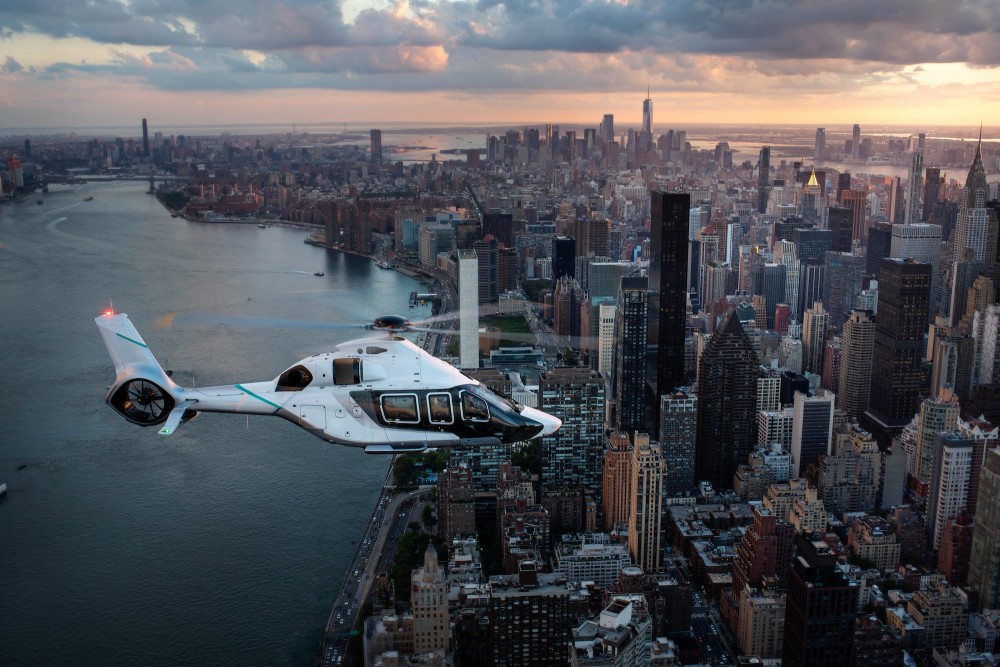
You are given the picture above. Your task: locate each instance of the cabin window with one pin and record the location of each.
(296, 378)
(400, 408)
(474, 408)
(374, 349)
(347, 371)
(439, 408)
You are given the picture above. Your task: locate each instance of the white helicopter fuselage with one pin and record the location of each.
(382, 393)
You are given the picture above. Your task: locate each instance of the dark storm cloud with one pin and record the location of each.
(496, 44)
(891, 31)
(11, 66)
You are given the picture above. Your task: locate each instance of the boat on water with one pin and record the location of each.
(3, 489)
(89, 198)
(262, 226)
(319, 273)
(173, 215)
(383, 265)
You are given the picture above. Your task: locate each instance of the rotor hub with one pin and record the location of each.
(391, 323)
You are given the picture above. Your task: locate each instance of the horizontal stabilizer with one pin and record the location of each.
(177, 417)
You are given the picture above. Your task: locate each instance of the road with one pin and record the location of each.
(385, 527)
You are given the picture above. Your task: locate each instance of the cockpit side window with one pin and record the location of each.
(400, 408)
(295, 378)
(347, 371)
(439, 408)
(474, 409)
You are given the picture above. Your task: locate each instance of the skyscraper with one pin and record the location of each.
(938, 414)
(949, 483)
(647, 122)
(727, 397)
(678, 440)
(984, 565)
(629, 369)
(904, 292)
(668, 284)
(856, 141)
(608, 128)
(815, 325)
(563, 257)
(932, 191)
(376, 146)
(429, 602)
(854, 383)
(763, 178)
(571, 457)
(616, 479)
(844, 274)
(819, 152)
(769, 280)
(821, 607)
(646, 501)
(913, 188)
(812, 427)
(857, 202)
(468, 301)
(145, 138)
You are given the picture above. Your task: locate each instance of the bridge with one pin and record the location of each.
(85, 178)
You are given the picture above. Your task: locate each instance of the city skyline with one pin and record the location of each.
(354, 61)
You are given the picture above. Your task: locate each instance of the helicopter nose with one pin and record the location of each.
(549, 423)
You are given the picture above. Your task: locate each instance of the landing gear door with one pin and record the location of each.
(313, 415)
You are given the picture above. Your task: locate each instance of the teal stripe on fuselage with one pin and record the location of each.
(259, 398)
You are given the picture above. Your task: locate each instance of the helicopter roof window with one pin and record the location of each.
(474, 409)
(439, 408)
(374, 349)
(295, 378)
(347, 371)
(400, 408)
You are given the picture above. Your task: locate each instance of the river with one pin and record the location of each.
(223, 544)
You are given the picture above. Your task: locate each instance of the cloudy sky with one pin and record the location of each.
(66, 63)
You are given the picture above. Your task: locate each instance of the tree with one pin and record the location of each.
(528, 457)
(427, 515)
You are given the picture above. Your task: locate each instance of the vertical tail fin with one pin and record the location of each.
(142, 392)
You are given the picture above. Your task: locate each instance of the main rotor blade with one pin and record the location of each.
(202, 319)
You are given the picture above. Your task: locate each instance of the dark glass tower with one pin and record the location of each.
(563, 257)
(629, 369)
(897, 376)
(820, 608)
(841, 224)
(879, 246)
(763, 178)
(145, 138)
(668, 283)
(769, 280)
(727, 402)
(812, 244)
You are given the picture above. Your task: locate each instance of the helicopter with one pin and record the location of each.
(383, 394)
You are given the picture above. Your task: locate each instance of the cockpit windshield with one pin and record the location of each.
(494, 398)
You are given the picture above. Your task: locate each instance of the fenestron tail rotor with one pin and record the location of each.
(145, 401)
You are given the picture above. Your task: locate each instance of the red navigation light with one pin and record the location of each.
(109, 313)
